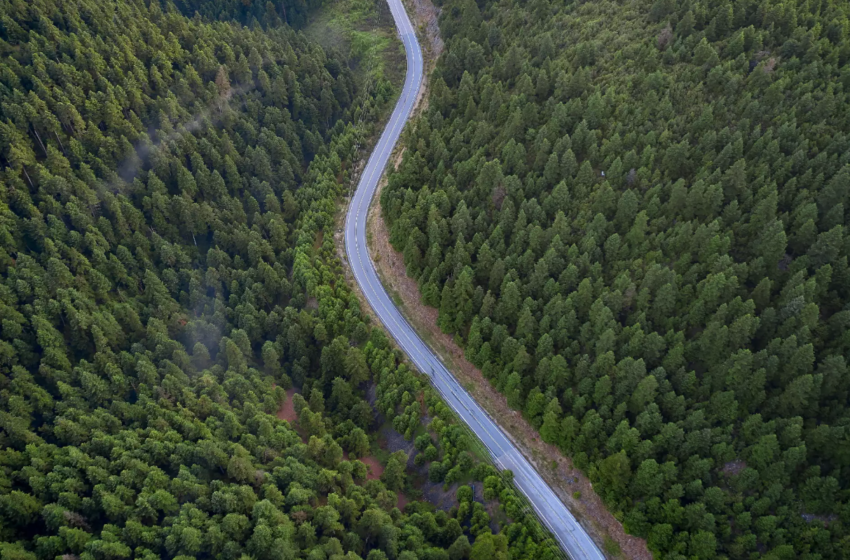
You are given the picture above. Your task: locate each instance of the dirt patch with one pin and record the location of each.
(435, 494)
(287, 409)
(825, 519)
(426, 20)
(733, 468)
(445, 497)
(564, 478)
(372, 394)
(423, 408)
(393, 441)
(376, 469)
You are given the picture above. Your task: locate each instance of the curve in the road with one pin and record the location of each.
(552, 512)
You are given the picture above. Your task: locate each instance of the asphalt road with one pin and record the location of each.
(572, 537)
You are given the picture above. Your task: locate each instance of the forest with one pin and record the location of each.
(633, 217)
(168, 174)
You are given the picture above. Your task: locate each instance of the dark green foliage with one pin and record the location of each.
(634, 216)
(166, 183)
(251, 12)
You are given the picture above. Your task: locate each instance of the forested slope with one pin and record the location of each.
(164, 188)
(250, 12)
(633, 216)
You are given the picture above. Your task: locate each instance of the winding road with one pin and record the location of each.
(552, 512)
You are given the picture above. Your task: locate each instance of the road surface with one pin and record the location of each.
(571, 536)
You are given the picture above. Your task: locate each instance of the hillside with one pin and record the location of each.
(166, 180)
(632, 215)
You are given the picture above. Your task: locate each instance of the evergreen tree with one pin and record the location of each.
(660, 247)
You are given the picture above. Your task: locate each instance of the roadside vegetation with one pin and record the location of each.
(364, 31)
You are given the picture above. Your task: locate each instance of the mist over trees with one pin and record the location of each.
(633, 217)
(166, 184)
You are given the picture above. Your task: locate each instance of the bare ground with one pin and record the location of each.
(436, 493)
(425, 18)
(287, 409)
(376, 469)
(393, 441)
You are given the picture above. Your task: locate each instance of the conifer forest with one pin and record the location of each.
(631, 214)
(633, 217)
(169, 184)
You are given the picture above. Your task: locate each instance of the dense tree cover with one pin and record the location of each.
(164, 188)
(633, 216)
(252, 12)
